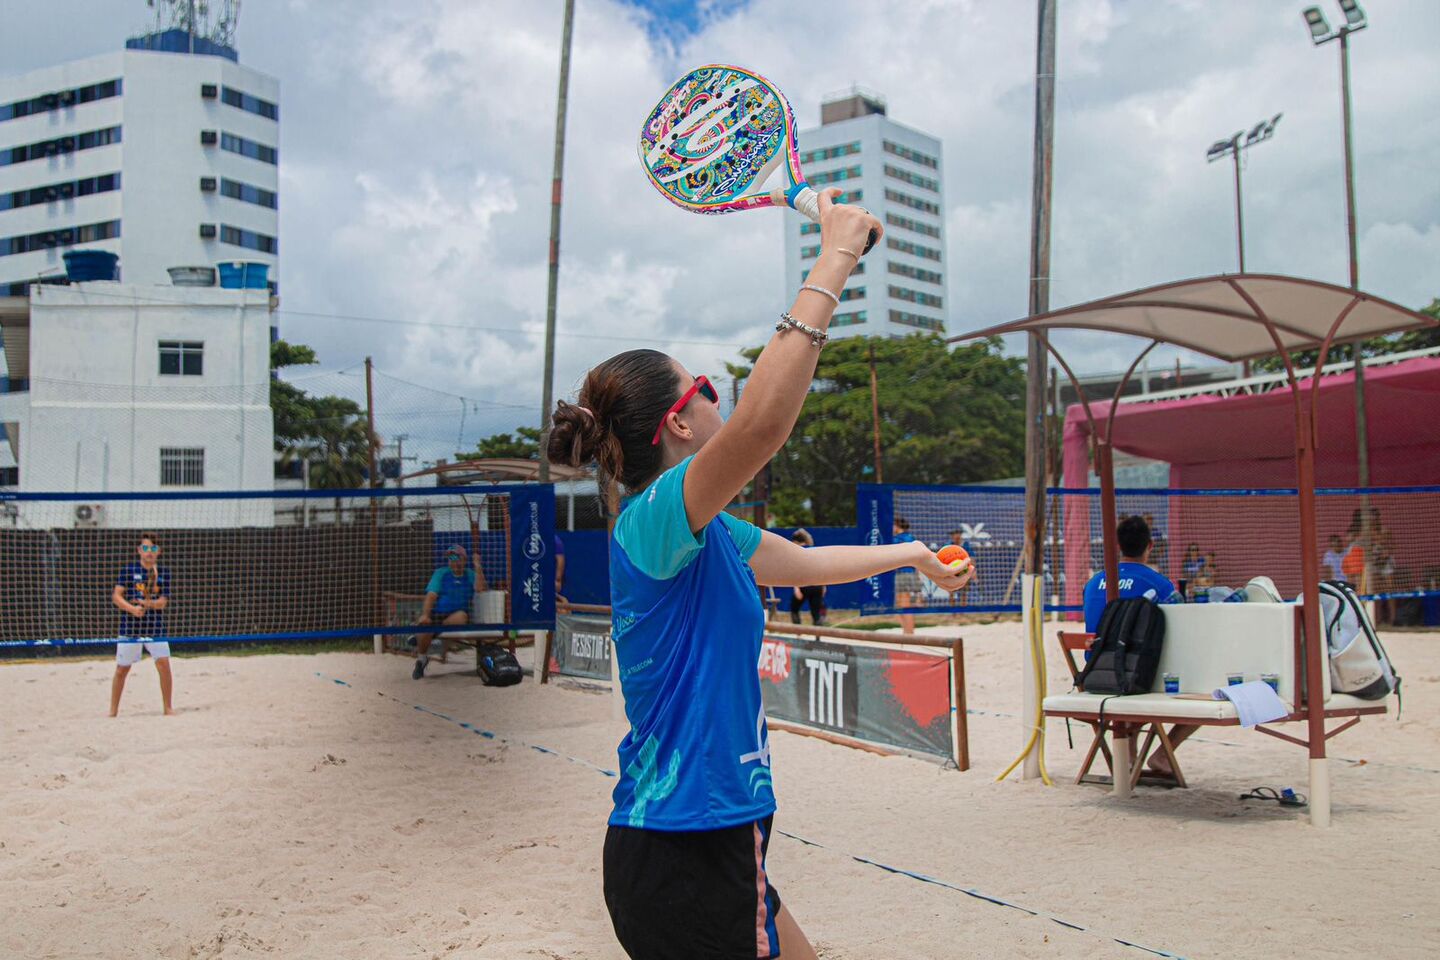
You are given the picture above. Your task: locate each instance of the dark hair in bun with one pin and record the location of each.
(611, 423)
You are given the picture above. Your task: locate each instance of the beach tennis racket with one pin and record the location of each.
(715, 138)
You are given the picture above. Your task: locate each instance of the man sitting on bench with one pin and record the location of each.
(1137, 579)
(447, 599)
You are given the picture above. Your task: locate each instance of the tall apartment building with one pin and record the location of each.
(165, 156)
(893, 171)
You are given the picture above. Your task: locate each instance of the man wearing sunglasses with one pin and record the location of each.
(142, 594)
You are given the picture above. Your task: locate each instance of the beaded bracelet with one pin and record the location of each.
(818, 337)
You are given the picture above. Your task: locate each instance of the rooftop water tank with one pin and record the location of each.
(243, 275)
(192, 276)
(83, 265)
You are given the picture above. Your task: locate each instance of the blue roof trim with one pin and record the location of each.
(178, 41)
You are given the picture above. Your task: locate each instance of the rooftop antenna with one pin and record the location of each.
(213, 20)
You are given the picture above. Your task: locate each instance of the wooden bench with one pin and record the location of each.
(1204, 643)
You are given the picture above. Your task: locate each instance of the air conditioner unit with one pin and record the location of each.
(67, 144)
(51, 100)
(52, 193)
(208, 138)
(67, 98)
(66, 237)
(90, 515)
(207, 231)
(49, 239)
(207, 184)
(67, 190)
(208, 91)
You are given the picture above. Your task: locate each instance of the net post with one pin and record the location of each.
(961, 731)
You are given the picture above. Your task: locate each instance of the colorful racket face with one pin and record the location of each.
(715, 138)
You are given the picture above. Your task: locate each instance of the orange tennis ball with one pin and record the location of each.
(952, 556)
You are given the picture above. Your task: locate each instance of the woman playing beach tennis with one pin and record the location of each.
(142, 592)
(684, 855)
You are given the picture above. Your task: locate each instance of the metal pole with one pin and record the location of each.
(1239, 215)
(1034, 552)
(370, 438)
(1362, 440)
(875, 414)
(548, 393)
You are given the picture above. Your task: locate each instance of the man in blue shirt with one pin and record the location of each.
(1136, 578)
(447, 599)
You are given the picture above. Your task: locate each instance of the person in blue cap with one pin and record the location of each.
(447, 601)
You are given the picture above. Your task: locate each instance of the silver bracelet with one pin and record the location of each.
(812, 287)
(818, 337)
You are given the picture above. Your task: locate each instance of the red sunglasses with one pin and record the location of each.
(702, 386)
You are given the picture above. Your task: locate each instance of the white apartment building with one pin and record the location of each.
(893, 171)
(139, 388)
(165, 158)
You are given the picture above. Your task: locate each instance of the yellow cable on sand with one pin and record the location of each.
(1037, 732)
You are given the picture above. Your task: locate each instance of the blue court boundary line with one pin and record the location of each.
(923, 878)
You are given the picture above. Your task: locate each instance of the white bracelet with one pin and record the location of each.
(818, 337)
(812, 287)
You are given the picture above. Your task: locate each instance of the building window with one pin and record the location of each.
(60, 98)
(914, 156)
(915, 296)
(914, 179)
(896, 220)
(182, 358)
(852, 293)
(808, 228)
(859, 269)
(915, 320)
(250, 104)
(810, 253)
(60, 145)
(182, 466)
(61, 237)
(914, 249)
(236, 190)
(833, 176)
(249, 239)
(249, 148)
(848, 319)
(924, 206)
(854, 196)
(830, 153)
(60, 191)
(914, 273)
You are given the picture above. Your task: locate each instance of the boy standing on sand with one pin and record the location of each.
(142, 592)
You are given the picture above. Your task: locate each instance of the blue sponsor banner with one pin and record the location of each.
(875, 518)
(532, 556)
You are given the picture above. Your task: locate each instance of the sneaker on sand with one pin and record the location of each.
(419, 670)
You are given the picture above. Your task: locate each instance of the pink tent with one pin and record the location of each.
(1215, 442)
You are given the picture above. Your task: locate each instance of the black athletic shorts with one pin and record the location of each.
(700, 895)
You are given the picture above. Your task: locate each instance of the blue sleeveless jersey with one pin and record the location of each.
(687, 625)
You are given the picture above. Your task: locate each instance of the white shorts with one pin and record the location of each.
(127, 652)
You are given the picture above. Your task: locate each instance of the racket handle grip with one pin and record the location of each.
(807, 201)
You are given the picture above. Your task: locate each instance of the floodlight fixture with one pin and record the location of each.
(1319, 27)
(1354, 16)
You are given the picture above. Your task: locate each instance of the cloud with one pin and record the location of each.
(417, 150)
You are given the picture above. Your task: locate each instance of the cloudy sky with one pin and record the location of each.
(416, 148)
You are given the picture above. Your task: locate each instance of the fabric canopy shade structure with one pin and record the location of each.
(1236, 317)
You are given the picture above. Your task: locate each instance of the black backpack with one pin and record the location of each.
(1126, 651)
(497, 666)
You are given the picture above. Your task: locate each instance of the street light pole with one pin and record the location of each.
(1242, 140)
(548, 389)
(1320, 33)
(1239, 213)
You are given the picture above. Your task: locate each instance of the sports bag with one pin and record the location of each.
(497, 666)
(1359, 664)
(1126, 651)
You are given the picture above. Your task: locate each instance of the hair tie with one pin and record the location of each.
(587, 410)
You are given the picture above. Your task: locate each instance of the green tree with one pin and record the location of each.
(327, 432)
(946, 416)
(524, 444)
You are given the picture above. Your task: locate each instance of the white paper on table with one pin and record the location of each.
(1254, 701)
